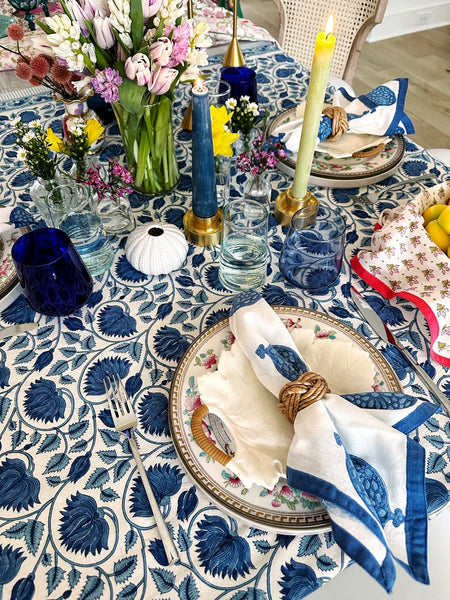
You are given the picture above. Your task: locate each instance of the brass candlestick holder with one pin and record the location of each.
(204, 232)
(286, 205)
(233, 56)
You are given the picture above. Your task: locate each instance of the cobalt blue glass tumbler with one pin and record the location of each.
(242, 81)
(51, 273)
(312, 254)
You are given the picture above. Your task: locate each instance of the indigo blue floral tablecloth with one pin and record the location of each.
(74, 518)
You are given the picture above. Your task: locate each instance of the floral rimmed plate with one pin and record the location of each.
(9, 283)
(281, 510)
(327, 171)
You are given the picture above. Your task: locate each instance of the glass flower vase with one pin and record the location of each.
(149, 146)
(39, 191)
(223, 175)
(258, 188)
(115, 213)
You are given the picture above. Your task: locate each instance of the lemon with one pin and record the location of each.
(433, 212)
(444, 219)
(438, 235)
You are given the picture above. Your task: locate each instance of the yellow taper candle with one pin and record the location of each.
(323, 54)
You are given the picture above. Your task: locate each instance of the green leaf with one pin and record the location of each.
(137, 23)
(130, 95)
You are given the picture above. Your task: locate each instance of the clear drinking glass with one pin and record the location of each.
(70, 210)
(243, 257)
(311, 257)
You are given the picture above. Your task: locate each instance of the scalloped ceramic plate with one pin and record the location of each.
(9, 283)
(327, 171)
(281, 509)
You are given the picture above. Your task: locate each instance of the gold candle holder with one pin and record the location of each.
(204, 232)
(233, 56)
(286, 205)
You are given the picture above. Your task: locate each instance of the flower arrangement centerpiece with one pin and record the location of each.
(245, 116)
(134, 52)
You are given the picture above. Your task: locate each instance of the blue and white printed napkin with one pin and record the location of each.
(380, 112)
(361, 463)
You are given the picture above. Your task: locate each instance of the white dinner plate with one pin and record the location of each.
(281, 510)
(327, 171)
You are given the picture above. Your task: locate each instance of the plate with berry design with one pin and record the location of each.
(345, 358)
(9, 282)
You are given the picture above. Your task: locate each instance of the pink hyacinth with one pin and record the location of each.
(180, 41)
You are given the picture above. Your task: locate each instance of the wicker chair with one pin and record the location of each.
(301, 20)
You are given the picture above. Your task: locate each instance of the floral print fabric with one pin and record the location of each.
(403, 261)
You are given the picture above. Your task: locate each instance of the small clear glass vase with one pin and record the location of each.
(258, 188)
(115, 213)
(223, 175)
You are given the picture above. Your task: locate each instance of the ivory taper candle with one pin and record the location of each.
(323, 55)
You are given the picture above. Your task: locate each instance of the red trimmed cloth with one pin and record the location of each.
(403, 261)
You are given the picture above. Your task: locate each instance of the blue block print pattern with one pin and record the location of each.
(74, 519)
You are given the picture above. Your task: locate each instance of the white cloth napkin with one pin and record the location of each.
(5, 214)
(378, 114)
(368, 473)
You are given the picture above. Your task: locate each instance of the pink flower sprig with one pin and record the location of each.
(118, 182)
(265, 154)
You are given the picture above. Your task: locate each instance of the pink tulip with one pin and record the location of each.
(94, 8)
(138, 67)
(150, 7)
(78, 15)
(162, 79)
(160, 51)
(103, 32)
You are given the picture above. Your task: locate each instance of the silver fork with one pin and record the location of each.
(125, 421)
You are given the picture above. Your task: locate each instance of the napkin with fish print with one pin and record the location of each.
(351, 451)
(372, 118)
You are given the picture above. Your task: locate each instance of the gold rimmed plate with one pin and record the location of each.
(9, 282)
(328, 171)
(282, 509)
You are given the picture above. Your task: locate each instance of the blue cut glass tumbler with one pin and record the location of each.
(312, 254)
(53, 277)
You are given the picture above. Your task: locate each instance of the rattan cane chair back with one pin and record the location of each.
(301, 20)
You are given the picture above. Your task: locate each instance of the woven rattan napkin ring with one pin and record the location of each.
(339, 126)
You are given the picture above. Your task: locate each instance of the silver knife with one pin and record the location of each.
(15, 329)
(381, 329)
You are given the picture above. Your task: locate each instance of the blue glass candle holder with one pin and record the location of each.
(242, 81)
(51, 273)
(312, 254)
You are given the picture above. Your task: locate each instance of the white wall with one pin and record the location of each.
(408, 16)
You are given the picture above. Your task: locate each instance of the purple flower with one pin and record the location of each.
(106, 83)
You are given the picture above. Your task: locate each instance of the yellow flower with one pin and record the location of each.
(56, 143)
(222, 139)
(94, 131)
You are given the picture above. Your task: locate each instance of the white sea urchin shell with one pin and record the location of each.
(156, 248)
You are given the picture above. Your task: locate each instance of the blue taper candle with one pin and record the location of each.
(204, 195)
